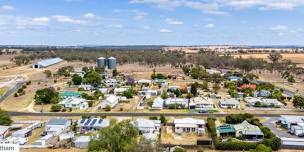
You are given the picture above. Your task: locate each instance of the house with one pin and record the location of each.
(45, 141)
(161, 82)
(73, 102)
(148, 93)
(248, 86)
(86, 87)
(189, 125)
(111, 101)
(287, 120)
(104, 90)
(158, 103)
(57, 126)
(230, 103)
(213, 71)
(94, 124)
(176, 102)
(297, 130)
(201, 104)
(234, 78)
(23, 133)
(3, 131)
(144, 82)
(120, 91)
(111, 82)
(248, 131)
(82, 142)
(147, 126)
(225, 130)
(263, 102)
(173, 88)
(262, 93)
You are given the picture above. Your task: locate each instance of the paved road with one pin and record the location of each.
(270, 123)
(131, 114)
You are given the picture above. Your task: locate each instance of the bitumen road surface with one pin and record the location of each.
(130, 114)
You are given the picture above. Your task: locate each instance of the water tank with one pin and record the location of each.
(101, 62)
(112, 63)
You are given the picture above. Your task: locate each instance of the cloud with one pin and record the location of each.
(117, 10)
(279, 27)
(89, 15)
(173, 22)
(67, 19)
(217, 6)
(7, 8)
(115, 26)
(41, 21)
(165, 30)
(139, 15)
(209, 25)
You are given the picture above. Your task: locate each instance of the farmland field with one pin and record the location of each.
(295, 57)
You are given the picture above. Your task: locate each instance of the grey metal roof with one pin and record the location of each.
(57, 122)
(48, 62)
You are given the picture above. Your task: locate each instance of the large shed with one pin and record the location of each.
(45, 63)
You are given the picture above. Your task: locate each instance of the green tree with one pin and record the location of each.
(118, 137)
(298, 101)
(179, 149)
(98, 94)
(93, 78)
(5, 119)
(216, 87)
(163, 119)
(128, 93)
(46, 96)
(177, 92)
(77, 79)
(164, 95)
(193, 89)
(114, 73)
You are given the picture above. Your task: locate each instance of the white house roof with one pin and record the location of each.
(112, 99)
(72, 100)
(145, 123)
(200, 100)
(230, 101)
(144, 81)
(120, 89)
(158, 102)
(183, 101)
(188, 122)
(272, 101)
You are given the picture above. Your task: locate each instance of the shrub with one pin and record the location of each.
(107, 108)
(56, 108)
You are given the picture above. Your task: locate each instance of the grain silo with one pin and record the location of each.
(101, 62)
(112, 63)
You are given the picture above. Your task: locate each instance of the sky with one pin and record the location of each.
(151, 22)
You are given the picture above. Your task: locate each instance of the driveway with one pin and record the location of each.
(270, 123)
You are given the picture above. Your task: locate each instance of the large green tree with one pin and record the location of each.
(93, 78)
(298, 101)
(46, 96)
(118, 137)
(77, 80)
